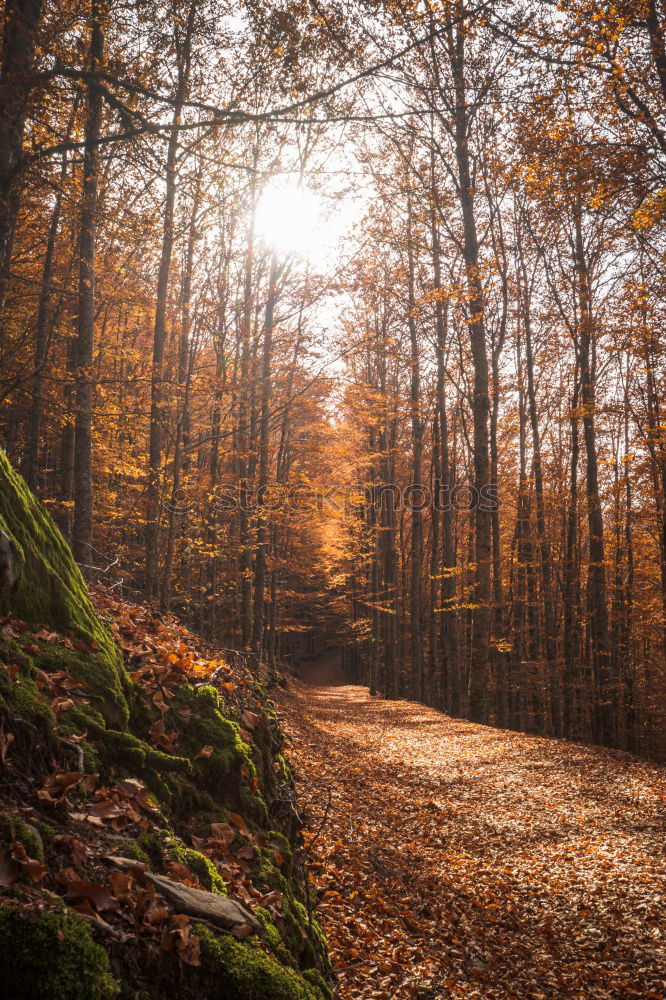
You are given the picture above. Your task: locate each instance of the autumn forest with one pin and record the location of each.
(340, 326)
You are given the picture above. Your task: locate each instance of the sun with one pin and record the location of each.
(290, 219)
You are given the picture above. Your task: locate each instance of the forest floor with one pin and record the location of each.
(457, 860)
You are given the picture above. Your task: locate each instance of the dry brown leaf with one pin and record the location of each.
(97, 895)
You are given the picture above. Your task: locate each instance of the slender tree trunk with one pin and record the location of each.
(157, 396)
(450, 671)
(22, 20)
(436, 671)
(657, 448)
(498, 625)
(570, 588)
(388, 526)
(630, 713)
(603, 709)
(264, 437)
(518, 688)
(82, 529)
(185, 360)
(416, 484)
(544, 547)
(244, 415)
(479, 665)
(42, 338)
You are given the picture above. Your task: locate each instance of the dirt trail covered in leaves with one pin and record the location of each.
(456, 860)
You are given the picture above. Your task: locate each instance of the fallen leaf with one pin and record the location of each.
(241, 931)
(97, 895)
(237, 821)
(9, 872)
(251, 719)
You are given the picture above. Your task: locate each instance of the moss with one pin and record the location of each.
(208, 726)
(235, 970)
(278, 841)
(268, 876)
(104, 687)
(32, 721)
(121, 750)
(52, 956)
(303, 938)
(81, 718)
(198, 863)
(229, 771)
(151, 847)
(48, 836)
(24, 702)
(133, 849)
(317, 980)
(283, 772)
(164, 846)
(48, 588)
(126, 751)
(13, 828)
(272, 936)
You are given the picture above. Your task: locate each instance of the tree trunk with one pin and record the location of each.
(185, 361)
(264, 436)
(42, 338)
(82, 529)
(21, 25)
(244, 532)
(416, 552)
(571, 589)
(479, 666)
(603, 709)
(157, 401)
(550, 641)
(450, 670)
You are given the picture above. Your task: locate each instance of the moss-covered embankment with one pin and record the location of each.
(121, 738)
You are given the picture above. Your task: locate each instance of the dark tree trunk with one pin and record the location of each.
(157, 400)
(264, 435)
(571, 591)
(82, 528)
(550, 641)
(604, 728)
(450, 670)
(479, 664)
(43, 335)
(21, 25)
(416, 548)
(185, 361)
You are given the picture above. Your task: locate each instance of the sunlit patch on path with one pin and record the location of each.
(462, 861)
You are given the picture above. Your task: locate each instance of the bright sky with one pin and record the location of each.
(295, 219)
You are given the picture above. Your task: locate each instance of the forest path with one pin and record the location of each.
(456, 860)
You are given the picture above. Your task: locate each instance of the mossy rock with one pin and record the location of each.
(42, 585)
(133, 849)
(229, 771)
(167, 847)
(235, 970)
(13, 828)
(51, 955)
(301, 935)
(30, 719)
